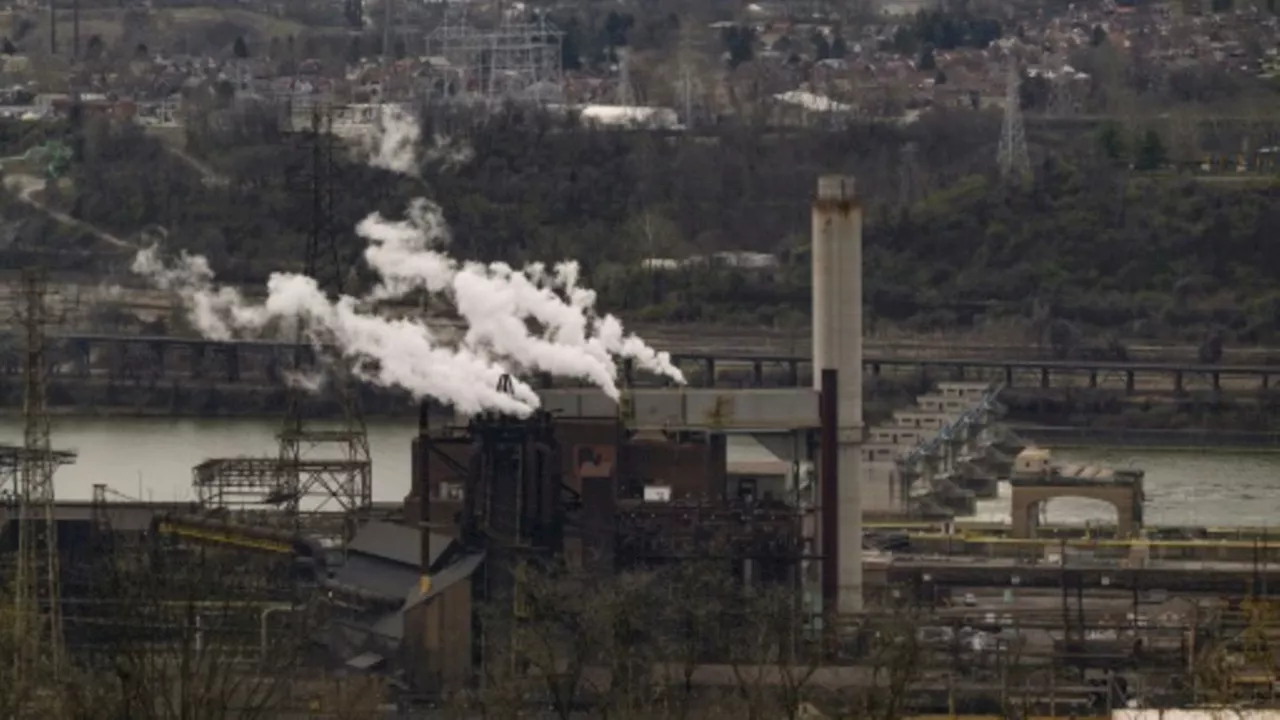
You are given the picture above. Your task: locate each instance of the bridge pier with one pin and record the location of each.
(1044, 378)
(1177, 381)
(1093, 379)
(709, 364)
(1129, 382)
(757, 373)
(1008, 376)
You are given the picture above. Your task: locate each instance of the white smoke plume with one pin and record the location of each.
(535, 319)
(394, 141)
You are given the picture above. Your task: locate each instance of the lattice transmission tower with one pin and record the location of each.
(1012, 157)
(37, 599)
(317, 465)
(329, 463)
(519, 60)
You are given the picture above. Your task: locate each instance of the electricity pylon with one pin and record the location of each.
(37, 613)
(329, 464)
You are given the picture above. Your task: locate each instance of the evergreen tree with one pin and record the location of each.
(240, 50)
(740, 42)
(927, 61)
(821, 46)
(1151, 153)
(1111, 141)
(839, 48)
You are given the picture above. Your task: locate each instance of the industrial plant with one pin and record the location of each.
(865, 530)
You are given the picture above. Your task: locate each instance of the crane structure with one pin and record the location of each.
(37, 603)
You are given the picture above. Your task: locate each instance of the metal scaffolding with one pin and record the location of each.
(250, 484)
(12, 459)
(517, 61)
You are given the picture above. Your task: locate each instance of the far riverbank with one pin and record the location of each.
(1189, 440)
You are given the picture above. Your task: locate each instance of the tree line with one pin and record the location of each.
(1100, 238)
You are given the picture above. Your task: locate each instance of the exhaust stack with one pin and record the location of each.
(837, 374)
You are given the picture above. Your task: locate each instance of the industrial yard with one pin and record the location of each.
(385, 239)
(598, 555)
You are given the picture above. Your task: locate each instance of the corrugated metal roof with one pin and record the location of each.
(394, 542)
(455, 573)
(380, 576)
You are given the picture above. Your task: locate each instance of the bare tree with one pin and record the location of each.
(193, 637)
(691, 625)
(889, 651)
(773, 653)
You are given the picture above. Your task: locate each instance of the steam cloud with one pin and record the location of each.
(533, 319)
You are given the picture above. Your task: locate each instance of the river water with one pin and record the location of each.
(151, 458)
(1214, 488)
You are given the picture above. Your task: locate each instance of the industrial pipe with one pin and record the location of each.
(829, 497)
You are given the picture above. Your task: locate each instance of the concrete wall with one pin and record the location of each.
(1026, 499)
(437, 639)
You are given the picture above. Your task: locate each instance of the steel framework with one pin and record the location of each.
(515, 61)
(662, 532)
(12, 460)
(37, 612)
(250, 483)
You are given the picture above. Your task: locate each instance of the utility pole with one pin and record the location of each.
(329, 464)
(37, 616)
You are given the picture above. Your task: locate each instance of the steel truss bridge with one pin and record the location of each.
(195, 361)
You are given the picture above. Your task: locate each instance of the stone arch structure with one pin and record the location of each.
(1125, 497)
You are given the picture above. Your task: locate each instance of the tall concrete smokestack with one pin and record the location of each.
(837, 365)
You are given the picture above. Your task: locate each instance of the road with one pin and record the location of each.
(26, 187)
